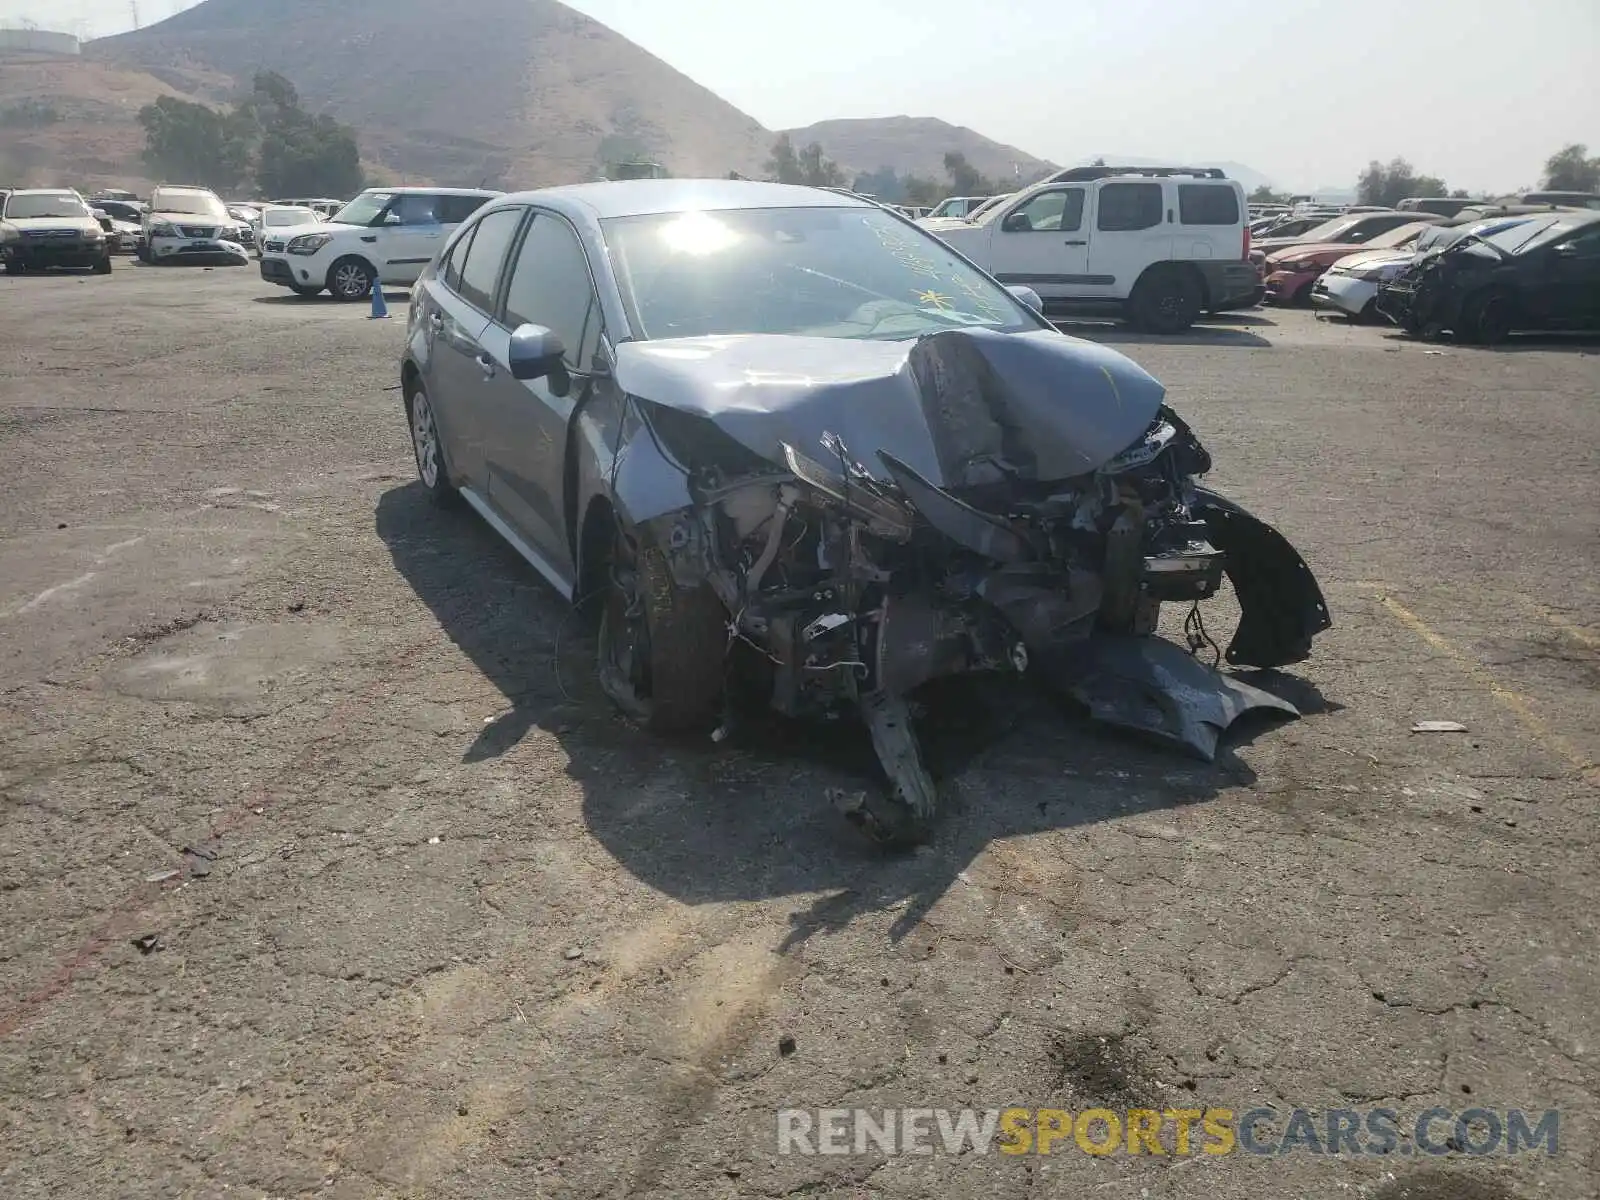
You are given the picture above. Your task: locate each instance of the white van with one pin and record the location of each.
(1162, 244)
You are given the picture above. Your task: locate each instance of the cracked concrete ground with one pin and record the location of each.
(419, 916)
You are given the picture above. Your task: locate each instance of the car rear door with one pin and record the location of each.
(550, 284)
(1040, 243)
(457, 302)
(1130, 231)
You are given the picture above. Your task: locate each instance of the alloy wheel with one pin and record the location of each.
(351, 280)
(425, 439)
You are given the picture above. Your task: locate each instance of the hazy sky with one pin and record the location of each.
(1305, 91)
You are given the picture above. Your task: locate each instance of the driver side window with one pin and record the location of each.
(550, 286)
(413, 210)
(1049, 212)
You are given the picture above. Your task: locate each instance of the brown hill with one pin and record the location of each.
(513, 92)
(74, 116)
(915, 146)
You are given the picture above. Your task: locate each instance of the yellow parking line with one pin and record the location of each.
(1519, 705)
(1576, 632)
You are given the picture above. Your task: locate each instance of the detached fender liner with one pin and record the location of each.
(1280, 602)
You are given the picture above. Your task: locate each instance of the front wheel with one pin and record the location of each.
(1488, 319)
(661, 647)
(103, 267)
(15, 268)
(306, 292)
(1166, 301)
(351, 279)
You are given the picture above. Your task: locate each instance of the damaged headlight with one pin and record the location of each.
(693, 442)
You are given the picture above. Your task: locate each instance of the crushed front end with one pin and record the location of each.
(850, 582)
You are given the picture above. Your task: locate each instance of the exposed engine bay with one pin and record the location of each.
(851, 581)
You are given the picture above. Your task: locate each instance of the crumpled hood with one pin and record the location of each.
(961, 407)
(1372, 258)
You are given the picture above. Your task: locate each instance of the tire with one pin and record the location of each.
(1487, 319)
(661, 648)
(103, 267)
(16, 268)
(351, 278)
(1166, 300)
(305, 291)
(1368, 314)
(427, 448)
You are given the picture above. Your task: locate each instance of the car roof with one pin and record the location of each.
(423, 191)
(645, 197)
(43, 192)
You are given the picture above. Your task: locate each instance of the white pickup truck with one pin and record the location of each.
(1161, 244)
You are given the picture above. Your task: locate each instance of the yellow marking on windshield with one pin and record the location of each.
(935, 299)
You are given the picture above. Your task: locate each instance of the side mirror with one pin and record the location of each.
(536, 353)
(391, 218)
(1566, 250)
(1028, 296)
(1016, 222)
(100, 214)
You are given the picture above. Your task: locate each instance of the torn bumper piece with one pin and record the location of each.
(1157, 687)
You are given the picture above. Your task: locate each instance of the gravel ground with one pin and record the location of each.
(327, 872)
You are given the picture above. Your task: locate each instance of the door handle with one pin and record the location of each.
(487, 365)
(1077, 242)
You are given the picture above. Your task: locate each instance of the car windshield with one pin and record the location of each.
(289, 216)
(1331, 231)
(1514, 239)
(818, 272)
(196, 204)
(46, 204)
(364, 209)
(1400, 235)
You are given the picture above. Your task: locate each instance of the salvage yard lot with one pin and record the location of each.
(420, 916)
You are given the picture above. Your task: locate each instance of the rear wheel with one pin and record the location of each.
(427, 448)
(1166, 300)
(661, 647)
(350, 279)
(15, 268)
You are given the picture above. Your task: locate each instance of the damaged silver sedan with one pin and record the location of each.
(796, 450)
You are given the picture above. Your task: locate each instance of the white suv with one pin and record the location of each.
(189, 224)
(1162, 244)
(386, 234)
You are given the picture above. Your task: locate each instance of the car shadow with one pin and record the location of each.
(753, 817)
(1224, 330)
(391, 296)
(1517, 343)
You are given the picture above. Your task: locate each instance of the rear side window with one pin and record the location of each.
(1126, 206)
(455, 209)
(491, 241)
(450, 268)
(1207, 204)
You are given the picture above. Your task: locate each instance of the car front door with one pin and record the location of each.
(406, 237)
(458, 301)
(1040, 243)
(550, 285)
(1574, 281)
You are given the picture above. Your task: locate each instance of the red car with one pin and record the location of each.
(1289, 273)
